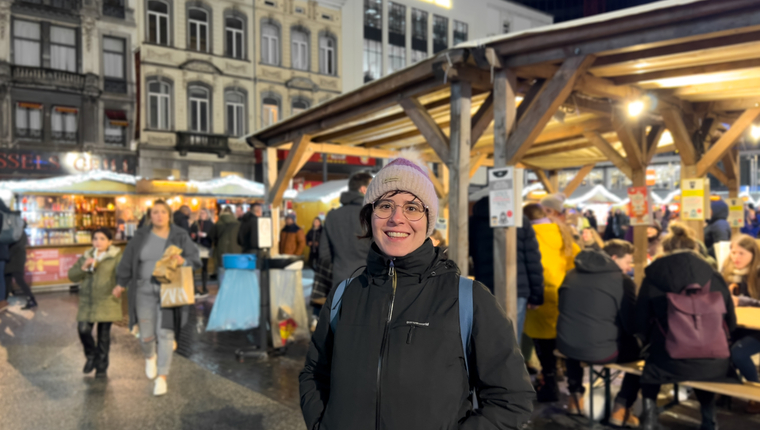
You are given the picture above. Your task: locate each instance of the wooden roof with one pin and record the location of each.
(701, 57)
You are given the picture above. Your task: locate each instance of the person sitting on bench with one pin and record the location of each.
(679, 350)
(596, 323)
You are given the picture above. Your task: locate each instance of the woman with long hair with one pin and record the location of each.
(159, 327)
(678, 273)
(200, 232)
(742, 274)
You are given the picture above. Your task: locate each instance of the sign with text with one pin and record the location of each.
(51, 163)
(693, 199)
(265, 232)
(639, 206)
(735, 212)
(505, 196)
(50, 266)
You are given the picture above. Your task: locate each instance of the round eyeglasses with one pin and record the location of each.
(384, 209)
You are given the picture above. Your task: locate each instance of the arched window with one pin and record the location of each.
(327, 55)
(158, 22)
(270, 111)
(299, 49)
(198, 34)
(159, 105)
(298, 106)
(234, 37)
(200, 108)
(235, 106)
(270, 44)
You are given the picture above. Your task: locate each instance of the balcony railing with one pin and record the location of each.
(114, 8)
(29, 133)
(65, 6)
(59, 78)
(111, 85)
(206, 143)
(64, 136)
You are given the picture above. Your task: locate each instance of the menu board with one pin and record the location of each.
(50, 266)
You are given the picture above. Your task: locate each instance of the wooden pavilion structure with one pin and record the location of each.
(552, 98)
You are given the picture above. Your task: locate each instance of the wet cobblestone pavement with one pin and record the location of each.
(42, 387)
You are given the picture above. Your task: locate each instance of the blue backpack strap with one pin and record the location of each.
(336, 302)
(466, 315)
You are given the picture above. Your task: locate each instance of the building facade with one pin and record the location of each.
(212, 72)
(383, 36)
(66, 81)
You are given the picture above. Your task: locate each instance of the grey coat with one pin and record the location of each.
(127, 273)
(339, 243)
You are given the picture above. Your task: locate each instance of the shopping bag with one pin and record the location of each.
(179, 292)
(203, 252)
(166, 268)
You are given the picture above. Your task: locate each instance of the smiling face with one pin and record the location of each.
(740, 257)
(396, 236)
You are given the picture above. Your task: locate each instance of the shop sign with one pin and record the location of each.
(651, 177)
(63, 163)
(50, 266)
(693, 199)
(505, 196)
(735, 212)
(638, 206)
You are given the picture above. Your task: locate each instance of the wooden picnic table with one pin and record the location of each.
(748, 317)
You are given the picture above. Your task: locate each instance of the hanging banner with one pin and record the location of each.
(638, 206)
(505, 196)
(735, 212)
(693, 199)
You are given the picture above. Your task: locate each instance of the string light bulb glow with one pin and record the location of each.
(635, 108)
(755, 132)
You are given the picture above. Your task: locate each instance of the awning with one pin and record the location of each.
(27, 105)
(64, 109)
(117, 118)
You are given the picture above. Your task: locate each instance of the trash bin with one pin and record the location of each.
(238, 304)
(288, 318)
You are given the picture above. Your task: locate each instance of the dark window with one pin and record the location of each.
(197, 21)
(327, 55)
(114, 8)
(27, 39)
(235, 104)
(397, 24)
(373, 19)
(158, 22)
(419, 35)
(460, 32)
(114, 74)
(116, 127)
(440, 33)
(234, 37)
(200, 111)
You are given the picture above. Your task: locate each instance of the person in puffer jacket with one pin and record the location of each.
(396, 360)
(718, 229)
(530, 272)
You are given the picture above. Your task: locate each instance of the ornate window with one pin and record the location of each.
(158, 22)
(270, 111)
(200, 108)
(159, 105)
(327, 55)
(198, 34)
(234, 37)
(235, 106)
(270, 44)
(299, 49)
(27, 39)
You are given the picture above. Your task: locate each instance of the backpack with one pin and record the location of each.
(12, 228)
(696, 324)
(466, 312)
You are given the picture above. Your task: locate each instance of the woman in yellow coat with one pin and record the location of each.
(558, 251)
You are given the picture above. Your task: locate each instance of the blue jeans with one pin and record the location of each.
(522, 307)
(741, 354)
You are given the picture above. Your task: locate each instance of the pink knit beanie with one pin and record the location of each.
(403, 175)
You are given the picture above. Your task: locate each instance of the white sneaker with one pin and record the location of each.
(159, 389)
(151, 367)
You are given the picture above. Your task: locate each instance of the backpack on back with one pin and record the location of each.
(696, 324)
(11, 227)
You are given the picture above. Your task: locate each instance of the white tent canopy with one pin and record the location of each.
(325, 192)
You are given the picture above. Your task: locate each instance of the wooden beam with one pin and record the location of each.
(482, 119)
(719, 175)
(640, 240)
(459, 169)
(530, 97)
(731, 105)
(298, 151)
(557, 149)
(327, 137)
(476, 162)
(436, 183)
(578, 179)
(357, 151)
(687, 71)
(731, 164)
(270, 178)
(600, 87)
(541, 111)
(611, 153)
(631, 145)
(427, 126)
(681, 136)
(653, 139)
(554, 180)
(729, 138)
(545, 181)
(304, 159)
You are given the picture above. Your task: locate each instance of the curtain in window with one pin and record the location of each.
(63, 51)
(113, 57)
(300, 50)
(26, 43)
(326, 55)
(270, 44)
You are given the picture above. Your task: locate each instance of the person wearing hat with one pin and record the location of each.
(554, 206)
(395, 358)
(292, 237)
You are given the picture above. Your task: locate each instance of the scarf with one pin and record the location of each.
(739, 275)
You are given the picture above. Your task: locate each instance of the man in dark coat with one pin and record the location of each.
(4, 257)
(530, 272)
(15, 268)
(339, 244)
(182, 218)
(224, 236)
(718, 229)
(248, 235)
(597, 322)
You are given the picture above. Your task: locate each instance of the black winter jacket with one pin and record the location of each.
(596, 309)
(396, 360)
(182, 220)
(4, 248)
(670, 274)
(248, 235)
(339, 244)
(206, 227)
(718, 229)
(530, 272)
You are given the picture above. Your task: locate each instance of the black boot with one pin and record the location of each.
(89, 364)
(548, 389)
(31, 303)
(649, 414)
(104, 346)
(85, 335)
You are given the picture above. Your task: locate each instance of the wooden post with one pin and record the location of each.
(732, 165)
(443, 209)
(459, 173)
(270, 178)
(690, 172)
(640, 240)
(505, 239)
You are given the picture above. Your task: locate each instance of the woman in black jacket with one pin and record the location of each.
(680, 266)
(15, 269)
(396, 359)
(200, 232)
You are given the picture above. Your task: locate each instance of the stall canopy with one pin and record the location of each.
(93, 182)
(229, 186)
(324, 193)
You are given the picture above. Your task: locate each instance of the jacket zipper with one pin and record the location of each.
(412, 325)
(392, 273)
